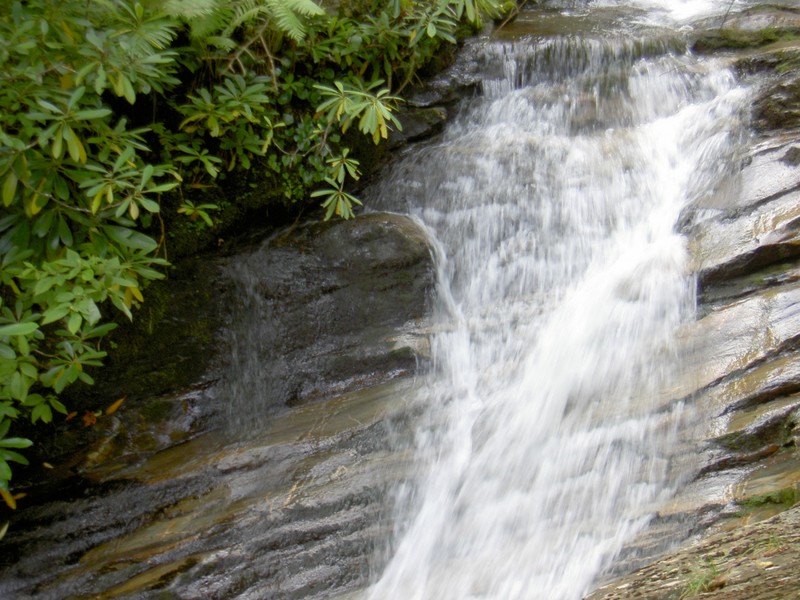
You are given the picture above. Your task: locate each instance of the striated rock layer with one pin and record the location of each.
(745, 242)
(264, 487)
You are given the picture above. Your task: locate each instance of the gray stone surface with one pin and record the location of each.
(744, 395)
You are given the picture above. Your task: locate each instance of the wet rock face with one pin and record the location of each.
(173, 501)
(334, 305)
(745, 391)
(418, 124)
(778, 107)
(768, 37)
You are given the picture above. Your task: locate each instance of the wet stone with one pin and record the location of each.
(759, 238)
(174, 499)
(751, 28)
(418, 124)
(329, 307)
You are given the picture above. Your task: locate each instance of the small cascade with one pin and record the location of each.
(545, 444)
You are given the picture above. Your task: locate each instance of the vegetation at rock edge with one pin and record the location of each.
(116, 118)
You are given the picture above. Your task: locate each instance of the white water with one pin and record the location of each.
(554, 199)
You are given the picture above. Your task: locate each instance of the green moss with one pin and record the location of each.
(156, 410)
(783, 499)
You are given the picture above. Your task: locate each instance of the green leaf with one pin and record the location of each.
(29, 370)
(149, 205)
(147, 174)
(8, 411)
(56, 149)
(58, 406)
(100, 330)
(18, 386)
(127, 90)
(43, 223)
(64, 232)
(130, 238)
(470, 11)
(15, 443)
(18, 329)
(49, 106)
(74, 323)
(74, 145)
(24, 346)
(43, 412)
(164, 187)
(14, 456)
(9, 187)
(54, 313)
(92, 113)
(75, 97)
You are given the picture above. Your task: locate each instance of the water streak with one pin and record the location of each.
(554, 196)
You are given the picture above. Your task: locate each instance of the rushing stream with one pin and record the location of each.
(554, 197)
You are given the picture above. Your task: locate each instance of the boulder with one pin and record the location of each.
(330, 306)
(755, 27)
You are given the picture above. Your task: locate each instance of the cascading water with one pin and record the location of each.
(554, 198)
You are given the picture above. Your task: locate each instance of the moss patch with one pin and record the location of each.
(781, 499)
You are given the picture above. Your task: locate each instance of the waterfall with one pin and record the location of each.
(545, 445)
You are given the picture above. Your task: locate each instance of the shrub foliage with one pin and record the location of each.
(110, 109)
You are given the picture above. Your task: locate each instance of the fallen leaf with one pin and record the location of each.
(71, 416)
(3, 529)
(12, 504)
(114, 406)
(89, 419)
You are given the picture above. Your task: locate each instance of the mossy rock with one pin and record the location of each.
(778, 59)
(756, 27)
(737, 39)
(781, 499)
